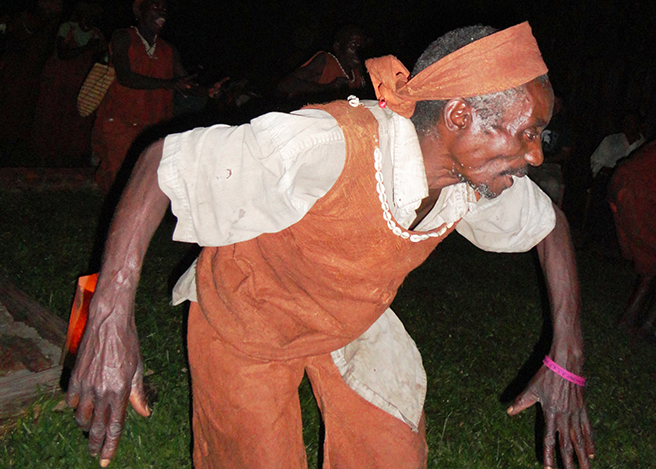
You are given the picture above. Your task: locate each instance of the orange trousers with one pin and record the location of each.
(247, 414)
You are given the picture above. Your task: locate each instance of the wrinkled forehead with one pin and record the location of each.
(534, 107)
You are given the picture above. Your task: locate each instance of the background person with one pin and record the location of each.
(633, 202)
(29, 43)
(60, 136)
(329, 75)
(599, 226)
(148, 71)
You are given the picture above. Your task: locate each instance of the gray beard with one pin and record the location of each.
(484, 190)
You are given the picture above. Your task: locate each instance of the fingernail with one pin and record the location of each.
(510, 409)
(104, 462)
(591, 456)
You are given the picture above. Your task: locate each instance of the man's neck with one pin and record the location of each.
(439, 172)
(146, 33)
(437, 163)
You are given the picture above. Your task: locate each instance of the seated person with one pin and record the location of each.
(333, 75)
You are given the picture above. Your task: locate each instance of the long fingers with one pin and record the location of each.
(574, 436)
(98, 427)
(549, 441)
(106, 428)
(113, 433)
(84, 410)
(587, 434)
(578, 441)
(565, 440)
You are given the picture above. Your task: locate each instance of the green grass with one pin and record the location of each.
(476, 317)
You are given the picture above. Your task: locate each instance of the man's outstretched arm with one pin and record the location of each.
(562, 401)
(109, 370)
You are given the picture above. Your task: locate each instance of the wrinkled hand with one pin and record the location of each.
(564, 412)
(108, 373)
(183, 84)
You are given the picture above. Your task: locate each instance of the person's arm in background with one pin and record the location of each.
(562, 401)
(109, 369)
(305, 79)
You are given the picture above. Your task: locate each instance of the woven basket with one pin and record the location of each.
(94, 88)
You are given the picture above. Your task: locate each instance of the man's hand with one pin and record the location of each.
(183, 84)
(108, 373)
(562, 401)
(564, 413)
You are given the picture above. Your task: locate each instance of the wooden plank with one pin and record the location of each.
(22, 387)
(29, 311)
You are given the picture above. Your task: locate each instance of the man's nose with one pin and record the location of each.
(534, 155)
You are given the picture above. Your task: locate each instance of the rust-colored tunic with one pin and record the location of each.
(332, 70)
(125, 112)
(272, 308)
(319, 284)
(60, 136)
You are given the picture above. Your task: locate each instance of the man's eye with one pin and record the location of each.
(530, 136)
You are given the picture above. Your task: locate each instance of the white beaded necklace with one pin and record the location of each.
(387, 215)
(351, 76)
(382, 197)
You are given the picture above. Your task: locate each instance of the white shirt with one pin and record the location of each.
(611, 150)
(231, 184)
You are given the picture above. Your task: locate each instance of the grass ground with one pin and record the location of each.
(476, 317)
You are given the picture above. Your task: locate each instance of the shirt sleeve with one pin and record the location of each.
(230, 184)
(515, 221)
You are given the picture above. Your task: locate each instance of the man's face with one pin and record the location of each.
(486, 157)
(350, 48)
(153, 15)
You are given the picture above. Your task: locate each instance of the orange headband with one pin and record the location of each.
(497, 62)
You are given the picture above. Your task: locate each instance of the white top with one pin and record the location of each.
(231, 184)
(82, 38)
(611, 150)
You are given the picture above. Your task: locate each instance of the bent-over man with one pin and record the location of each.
(310, 221)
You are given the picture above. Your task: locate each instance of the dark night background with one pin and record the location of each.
(599, 53)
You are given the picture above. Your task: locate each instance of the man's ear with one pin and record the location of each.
(457, 114)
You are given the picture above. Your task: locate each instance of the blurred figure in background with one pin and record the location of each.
(29, 41)
(600, 231)
(329, 75)
(556, 147)
(633, 202)
(148, 71)
(617, 146)
(60, 136)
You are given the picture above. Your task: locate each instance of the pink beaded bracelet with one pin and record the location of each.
(559, 370)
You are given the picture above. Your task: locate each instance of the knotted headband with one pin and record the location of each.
(497, 62)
